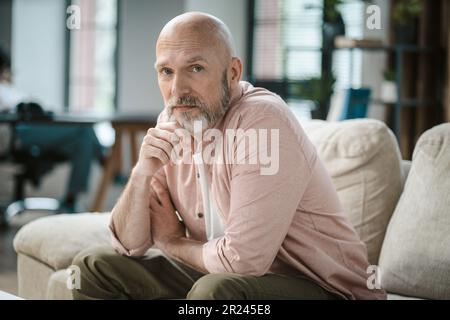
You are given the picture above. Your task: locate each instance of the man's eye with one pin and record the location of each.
(197, 68)
(165, 71)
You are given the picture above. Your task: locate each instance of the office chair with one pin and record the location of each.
(349, 104)
(356, 103)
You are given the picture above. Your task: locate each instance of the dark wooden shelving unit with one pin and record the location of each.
(399, 52)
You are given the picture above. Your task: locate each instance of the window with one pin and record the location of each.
(288, 39)
(92, 57)
(302, 38)
(348, 68)
(288, 42)
(267, 45)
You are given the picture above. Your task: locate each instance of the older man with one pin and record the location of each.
(242, 226)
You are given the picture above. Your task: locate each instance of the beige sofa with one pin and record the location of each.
(406, 226)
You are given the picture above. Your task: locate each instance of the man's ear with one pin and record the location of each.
(236, 71)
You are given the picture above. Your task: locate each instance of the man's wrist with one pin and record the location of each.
(143, 171)
(188, 251)
(168, 243)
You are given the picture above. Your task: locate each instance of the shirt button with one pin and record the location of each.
(198, 175)
(199, 215)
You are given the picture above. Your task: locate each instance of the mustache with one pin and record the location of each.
(189, 101)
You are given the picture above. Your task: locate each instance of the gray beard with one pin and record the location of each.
(208, 116)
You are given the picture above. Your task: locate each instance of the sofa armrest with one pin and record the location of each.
(56, 240)
(405, 167)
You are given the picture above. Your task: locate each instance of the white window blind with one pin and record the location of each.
(267, 62)
(302, 35)
(347, 68)
(92, 73)
(288, 41)
(288, 38)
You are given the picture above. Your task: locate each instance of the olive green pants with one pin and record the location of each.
(106, 274)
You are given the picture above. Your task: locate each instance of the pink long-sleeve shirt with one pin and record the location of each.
(287, 219)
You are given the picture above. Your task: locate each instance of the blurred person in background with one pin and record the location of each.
(78, 144)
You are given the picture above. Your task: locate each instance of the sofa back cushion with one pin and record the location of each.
(415, 258)
(363, 159)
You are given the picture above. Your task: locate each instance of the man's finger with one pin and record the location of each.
(154, 152)
(169, 125)
(170, 136)
(158, 143)
(162, 131)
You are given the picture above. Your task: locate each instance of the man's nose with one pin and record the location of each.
(180, 87)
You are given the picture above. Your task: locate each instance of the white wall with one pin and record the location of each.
(233, 13)
(140, 24)
(38, 50)
(374, 63)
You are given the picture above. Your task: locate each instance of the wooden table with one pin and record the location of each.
(123, 125)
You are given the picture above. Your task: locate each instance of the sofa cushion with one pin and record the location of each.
(415, 258)
(55, 240)
(363, 159)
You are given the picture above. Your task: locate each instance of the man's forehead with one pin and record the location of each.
(181, 57)
(186, 45)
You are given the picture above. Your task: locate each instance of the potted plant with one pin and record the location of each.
(405, 16)
(389, 87)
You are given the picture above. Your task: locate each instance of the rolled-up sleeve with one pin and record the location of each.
(133, 252)
(262, 206)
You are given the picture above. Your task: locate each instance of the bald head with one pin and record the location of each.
(198, 29)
